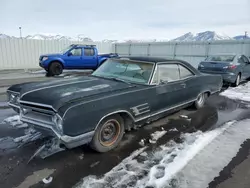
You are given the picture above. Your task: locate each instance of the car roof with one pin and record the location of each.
(84, 45)
(148, 59)
(157, 60)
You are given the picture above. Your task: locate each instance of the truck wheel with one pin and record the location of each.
(108, 134)
(55, 68)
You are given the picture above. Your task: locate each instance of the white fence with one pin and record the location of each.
(24, 53)
(193, 52)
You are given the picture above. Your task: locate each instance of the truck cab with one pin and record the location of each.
(73, 57)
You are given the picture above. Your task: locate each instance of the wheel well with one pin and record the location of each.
(208, 93)
(55, 62)
(128, 120)
(126, 116)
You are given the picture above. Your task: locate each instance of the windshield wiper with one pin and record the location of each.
(118, 79)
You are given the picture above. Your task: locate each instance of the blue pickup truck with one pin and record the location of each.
(73, 57)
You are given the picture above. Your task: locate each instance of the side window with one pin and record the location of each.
(240, 60)
(89, 52)
(166, 73)
(184, 72)
(76, 52)
(245, 59)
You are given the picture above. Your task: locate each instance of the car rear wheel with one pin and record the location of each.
(237, 81)
(108, 134)
(55, 69)
(200, 101)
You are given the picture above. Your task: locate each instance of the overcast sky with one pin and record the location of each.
(124, 19)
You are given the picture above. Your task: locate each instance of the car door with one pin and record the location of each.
(170, 87)
(192, 89)
(89, 57)
(246, 67)
(74, 58)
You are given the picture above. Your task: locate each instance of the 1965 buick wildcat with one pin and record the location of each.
(122, 93)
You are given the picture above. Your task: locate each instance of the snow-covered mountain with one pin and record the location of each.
(59, 37)
(203, 36)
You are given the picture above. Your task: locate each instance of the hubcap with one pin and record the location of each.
(109, 132)
(200, 99)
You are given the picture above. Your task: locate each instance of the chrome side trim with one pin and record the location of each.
(164, 110)
(56, 86)
(114, 112)
(216, 91)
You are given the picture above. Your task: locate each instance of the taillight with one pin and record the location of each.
(232, 67)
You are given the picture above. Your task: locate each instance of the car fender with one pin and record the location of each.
(113, 113)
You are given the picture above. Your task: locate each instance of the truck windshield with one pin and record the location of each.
(130, 71)
(63, 51)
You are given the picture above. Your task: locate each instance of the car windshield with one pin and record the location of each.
(63, 51)
(126, 70)
(225, 58)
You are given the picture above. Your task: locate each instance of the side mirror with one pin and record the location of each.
(163, 82)
(70, 54)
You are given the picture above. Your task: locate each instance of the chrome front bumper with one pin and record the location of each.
(68, 141)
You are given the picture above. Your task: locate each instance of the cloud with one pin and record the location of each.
(124, 19)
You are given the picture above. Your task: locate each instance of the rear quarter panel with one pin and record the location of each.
(211, 83)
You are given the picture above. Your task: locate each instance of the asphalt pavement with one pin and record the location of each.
(67, 168)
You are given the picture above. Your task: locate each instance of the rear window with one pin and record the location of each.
(225, 58)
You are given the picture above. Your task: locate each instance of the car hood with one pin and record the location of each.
(56, 94)
(51, 55)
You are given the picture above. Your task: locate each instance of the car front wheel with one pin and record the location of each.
(108, 134)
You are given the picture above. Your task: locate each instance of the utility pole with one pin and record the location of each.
(245, 34)
(20, 29)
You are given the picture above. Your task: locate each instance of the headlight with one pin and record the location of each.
(13, 98)
(57, 120)
(44, 58)
(200, 65)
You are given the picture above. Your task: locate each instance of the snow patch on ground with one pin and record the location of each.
(15, 121)
(157, 135)
(207, 164)
(241, 92)
(192, 163)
